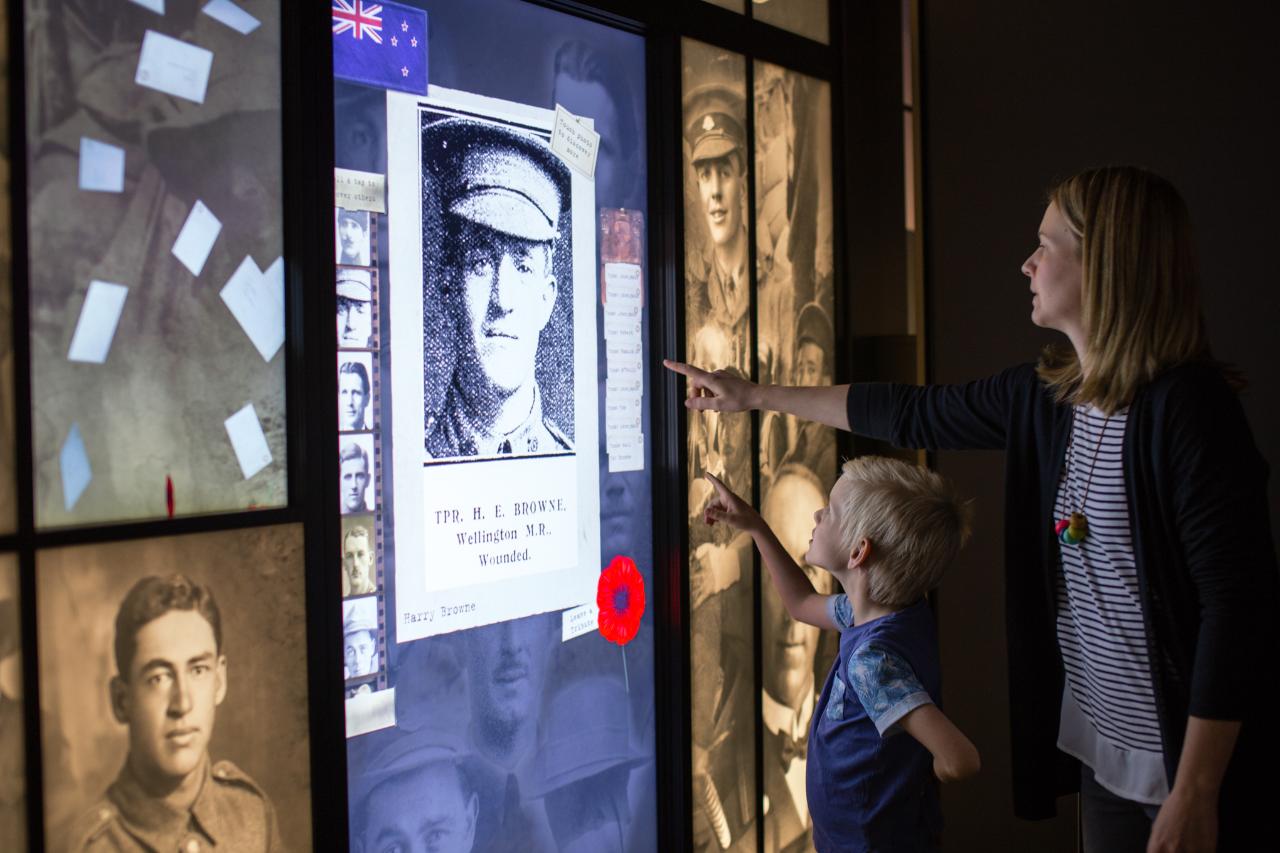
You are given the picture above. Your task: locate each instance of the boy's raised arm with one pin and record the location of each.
(803, 602)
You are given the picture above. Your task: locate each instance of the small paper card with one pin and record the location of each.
(256, 300)
(226, 12)
(368, 712)
(579, 620)
(623, 284)
(101, 166)
(575, 141)
(354, 190)
(156, 6)
(630, 458)
(173, 67)
(97, 324)
(197, 237)
(74, 462)
(250, 445)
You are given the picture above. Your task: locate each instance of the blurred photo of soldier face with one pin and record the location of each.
(415, 797)
(355, 308)
(357, 561)
(508, 670)
(353, 397)
(354, 478)
(360, 638)
(353, 237)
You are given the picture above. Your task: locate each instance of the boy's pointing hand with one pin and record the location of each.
(729, 508)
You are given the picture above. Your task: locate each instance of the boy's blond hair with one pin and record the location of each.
(914, 520)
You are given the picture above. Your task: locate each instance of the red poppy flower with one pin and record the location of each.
(620, 597)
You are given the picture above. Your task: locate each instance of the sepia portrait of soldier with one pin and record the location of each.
(355, 461)
(360, 637)
(504, 200)
(358, 561)
(353, 237)
(171, 677)
(789, 650)
(415, 796)
(13, 787)
(354, 392)
(355, 308)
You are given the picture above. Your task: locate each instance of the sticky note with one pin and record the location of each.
(197, 237)
(156, 6)
(101, 166)
(256, 300)
(226, 12)
(580, 620)
(250, 445)
(354, 190)
(622, 284)
(575, 141)
(97, 324)
(76, 472)
(173, 67)
(630, 458)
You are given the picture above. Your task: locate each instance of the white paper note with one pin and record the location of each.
(574, 140)
(628, 459)
(623, 284)
(250, 445)
(621, 442)
(579, 620)
(368, 712)
(226, 12)
(256, 300)
(97, 324)
(74, 462)
(173, 67)
(101, 166)
(156, 6)
(624, 383)
(197, 237)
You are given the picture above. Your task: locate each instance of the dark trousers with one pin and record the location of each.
(1112, 824)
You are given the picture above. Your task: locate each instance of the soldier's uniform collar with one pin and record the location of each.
(455, 435)
(161, 827)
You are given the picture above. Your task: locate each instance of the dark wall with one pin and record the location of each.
(1017, 94)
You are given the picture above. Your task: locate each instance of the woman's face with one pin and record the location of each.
(1056, 277)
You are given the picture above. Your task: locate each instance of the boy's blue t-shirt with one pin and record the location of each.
(870, 785)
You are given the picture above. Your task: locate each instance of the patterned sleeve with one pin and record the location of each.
(840, 611)
(886, 686)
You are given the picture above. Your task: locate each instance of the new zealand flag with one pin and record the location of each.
(380, 44)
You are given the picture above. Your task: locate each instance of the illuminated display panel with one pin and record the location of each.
(13, 794)
(137, 693)
(794, 310)
(506, 429)
(155, 243)
(718, 335)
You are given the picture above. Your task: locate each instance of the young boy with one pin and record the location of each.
(887, 535)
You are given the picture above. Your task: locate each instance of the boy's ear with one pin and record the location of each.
(861, 554)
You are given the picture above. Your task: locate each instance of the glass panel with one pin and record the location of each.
(178, 665)
(472, 641)
(731, 5)
(157, 286)
(794, 310)
(8, 482)
(803, 17)
(13, 793)
(718, 335)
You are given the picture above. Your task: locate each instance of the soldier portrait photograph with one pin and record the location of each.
(497, 234)
(355, 390)
(355, 308)
(355, 473)
(358, 557)
(182, 720)
(360, 637)
(353, 237)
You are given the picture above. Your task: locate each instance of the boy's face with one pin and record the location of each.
(169, 696)
(825, 548)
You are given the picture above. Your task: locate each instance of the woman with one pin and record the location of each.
(1140, 571)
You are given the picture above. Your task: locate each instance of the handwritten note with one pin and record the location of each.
(101, 166)
(575, 141)
(196, 238)
(245, 431)
(256, 300)
(173, 67)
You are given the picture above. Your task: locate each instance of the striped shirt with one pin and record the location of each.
(1108, 717)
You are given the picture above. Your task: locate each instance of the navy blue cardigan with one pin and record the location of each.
(1207, 572)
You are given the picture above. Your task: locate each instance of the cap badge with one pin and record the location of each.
(708, 124)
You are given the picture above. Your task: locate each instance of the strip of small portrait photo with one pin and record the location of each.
(360, 556)
(356, 411)
(352, 237)
(356, 473)
(360, 633)
(357, 309)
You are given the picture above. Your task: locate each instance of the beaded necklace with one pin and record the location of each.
(1075, 528)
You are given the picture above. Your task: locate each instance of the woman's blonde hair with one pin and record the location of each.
(1140, 289)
